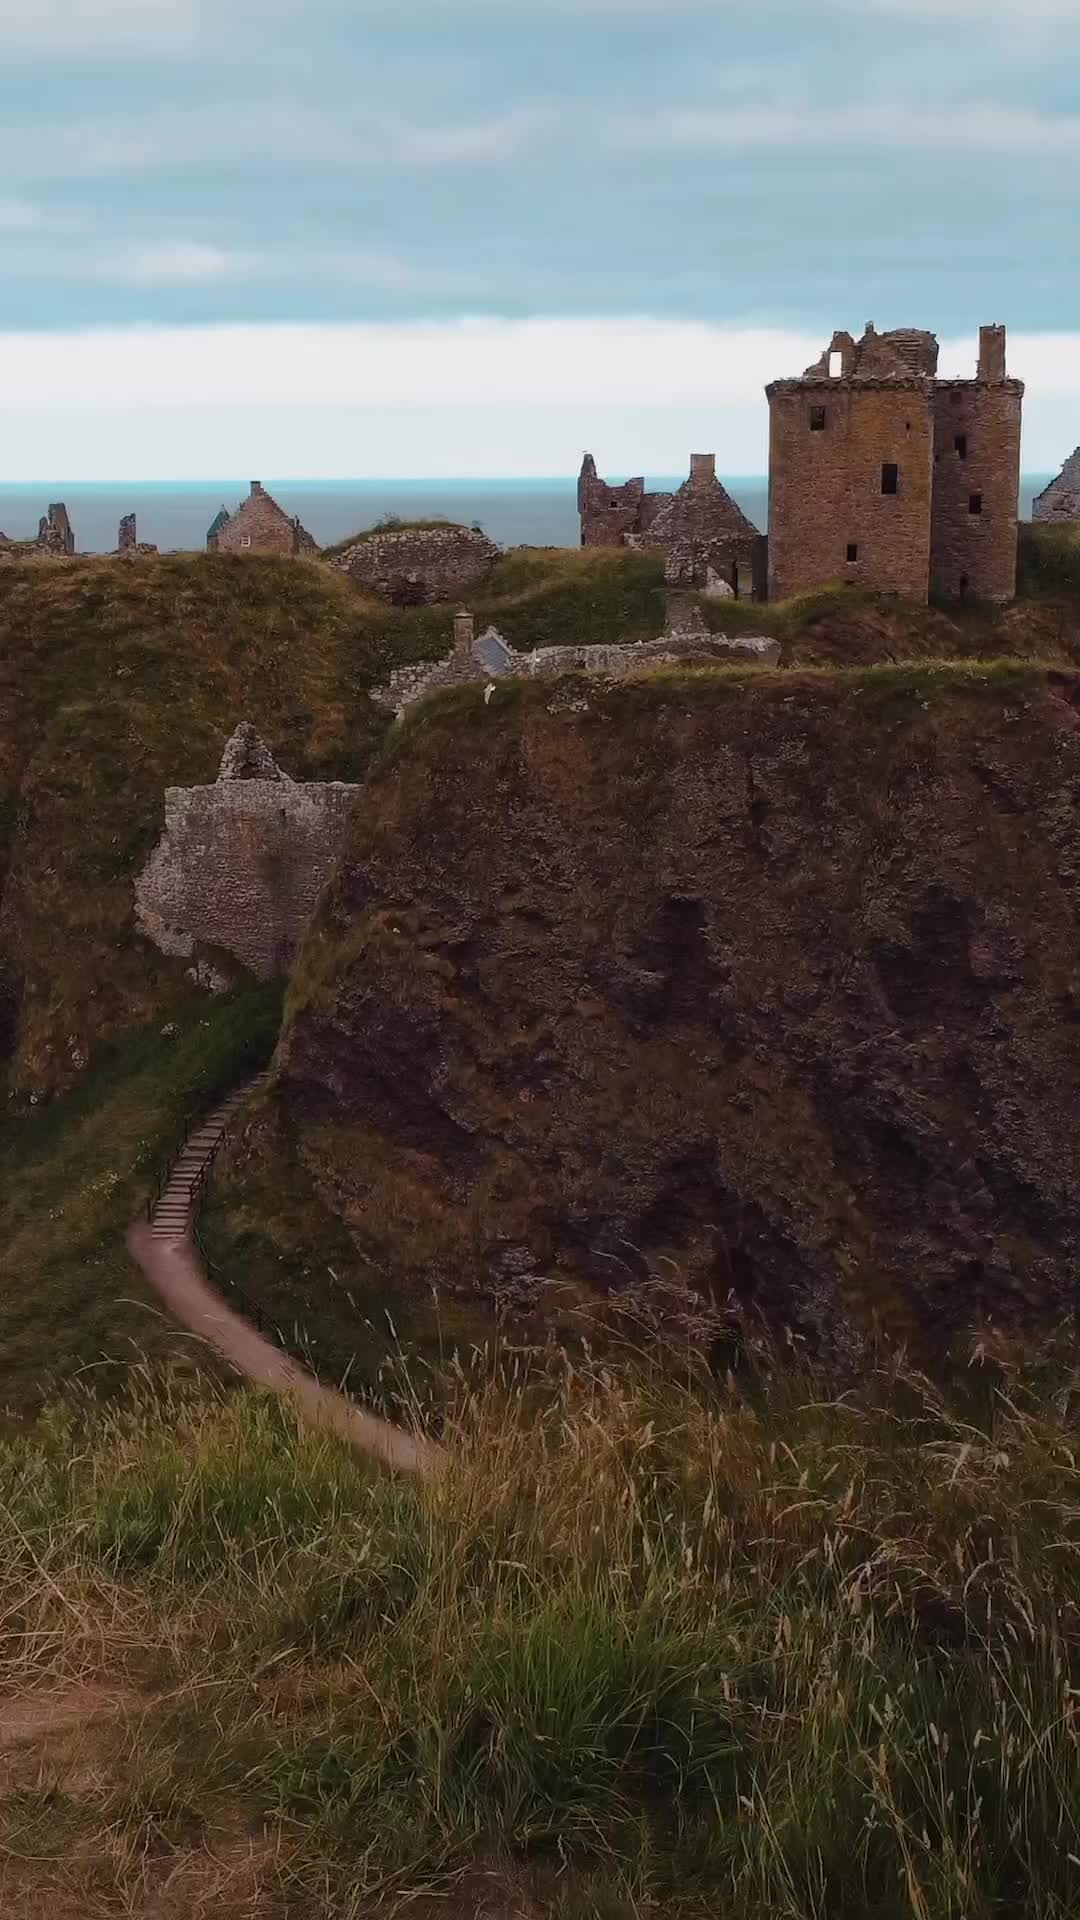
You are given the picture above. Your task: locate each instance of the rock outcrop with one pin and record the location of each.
(772, 979)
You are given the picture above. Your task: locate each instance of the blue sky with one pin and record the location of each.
(647, 178)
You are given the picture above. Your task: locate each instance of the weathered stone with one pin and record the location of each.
(259, 526)
(418, 566)
(700, 529)
(55, 538)
(241, 863)
(881, 475)
(490, 657)
(1061, 499)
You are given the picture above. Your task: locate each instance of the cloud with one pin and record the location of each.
(18, 216)
(97, 26)
(961, 128)
(179, 263)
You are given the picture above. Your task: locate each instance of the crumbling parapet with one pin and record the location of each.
(55, 539)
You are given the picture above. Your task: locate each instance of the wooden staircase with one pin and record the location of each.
(172, 1213)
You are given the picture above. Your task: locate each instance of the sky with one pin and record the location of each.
(472, 237)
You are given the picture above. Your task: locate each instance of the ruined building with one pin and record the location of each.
(259, 526)
(416, 566)
(1061, 499)
(54, 537)
(238, 869)
(708, 541)
(883, 475)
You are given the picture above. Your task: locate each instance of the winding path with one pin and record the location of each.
(164, 1246)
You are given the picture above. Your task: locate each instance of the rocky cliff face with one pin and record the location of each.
(777, 979)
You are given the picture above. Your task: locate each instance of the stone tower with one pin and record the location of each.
(977, 478)
(851, 463)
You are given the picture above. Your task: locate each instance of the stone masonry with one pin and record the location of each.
(488, 657)
(259, 526)
(884, 476)
(54, 540)
(241, 863)
(707, 539)
(416, 566)
(1060, 501)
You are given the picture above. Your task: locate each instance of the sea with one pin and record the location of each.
(175, 516)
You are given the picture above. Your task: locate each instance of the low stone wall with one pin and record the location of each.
(417, 566)
(487, 656)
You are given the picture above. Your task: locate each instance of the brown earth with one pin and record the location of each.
(773, 977)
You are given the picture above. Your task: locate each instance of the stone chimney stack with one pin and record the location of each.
(702, 469)
(257, 488)
(991, 353)
(127, 539)
(464, 629)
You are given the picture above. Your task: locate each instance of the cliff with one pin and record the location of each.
(772, 977)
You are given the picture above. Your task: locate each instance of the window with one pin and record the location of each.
(890, 478)
(836, 365)
(853, 551)
(964, 585)
(245, 539)
(818, 417)
(975, 503)
(960, 443)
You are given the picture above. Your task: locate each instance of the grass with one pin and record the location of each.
(74, 1173)
(653, 1644)
(392, 523)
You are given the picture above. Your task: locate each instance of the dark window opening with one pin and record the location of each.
(975, 503)
(964, 585)
(817, 419)
(853, 551)
(890, 479)
(960, 443)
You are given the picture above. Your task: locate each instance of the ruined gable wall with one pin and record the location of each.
(240, 867)
(825, 487)
(980, 548)
(608, 514)
(1061, 499)
(268, 528)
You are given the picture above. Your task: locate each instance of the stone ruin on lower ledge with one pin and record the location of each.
(239, 867)
(487, 656)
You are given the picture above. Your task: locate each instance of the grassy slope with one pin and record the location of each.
(118, 680)
(648, 1648)
(73, 1175)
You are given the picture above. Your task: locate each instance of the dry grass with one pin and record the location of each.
(651, 1644)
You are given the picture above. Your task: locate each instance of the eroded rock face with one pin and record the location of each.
(778, 982)
(416, 566)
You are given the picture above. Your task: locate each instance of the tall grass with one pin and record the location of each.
(764, 1652)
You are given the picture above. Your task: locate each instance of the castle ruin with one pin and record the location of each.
(259, 526)
(1060, 501)
(55, 538)
(708, 542)
(883, 475)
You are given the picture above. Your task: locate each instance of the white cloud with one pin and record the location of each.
(965, 127)
(18, 216)
(469, 398)
(97, 26)
(179, 263)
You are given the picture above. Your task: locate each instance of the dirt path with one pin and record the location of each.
(175, 1272)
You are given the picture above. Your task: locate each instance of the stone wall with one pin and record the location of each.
(826, 480)
(884, 476)
(976, 465)
(55, 538)
(706, 538)
(260, 526)
(1061, 499)
(476, 658)
(418, 566)
(241, 863)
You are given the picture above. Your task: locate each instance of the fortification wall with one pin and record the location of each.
(417, 566)
(830, 518)
(976, 488)
(240, 867)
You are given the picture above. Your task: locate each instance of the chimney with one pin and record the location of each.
(991, 353)
(464, 628)
(256, 487)
(702, 469)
